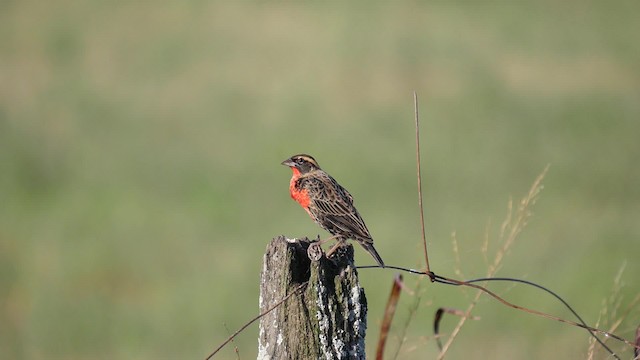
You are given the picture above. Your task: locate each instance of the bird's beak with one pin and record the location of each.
(288, 163)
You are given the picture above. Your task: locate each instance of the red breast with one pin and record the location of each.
(299, 195)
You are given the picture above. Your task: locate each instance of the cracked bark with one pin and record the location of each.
(324, 320)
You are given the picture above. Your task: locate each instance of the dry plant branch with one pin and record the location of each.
(389, 312)
(418, 166)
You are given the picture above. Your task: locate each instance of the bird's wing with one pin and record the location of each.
(334, 204)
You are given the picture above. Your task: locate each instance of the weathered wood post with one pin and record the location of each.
(326, 319)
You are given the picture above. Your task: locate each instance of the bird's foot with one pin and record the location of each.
(334, 247)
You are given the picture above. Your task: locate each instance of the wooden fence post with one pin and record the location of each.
(326, 319)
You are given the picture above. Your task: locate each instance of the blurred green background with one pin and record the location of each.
(140, 176)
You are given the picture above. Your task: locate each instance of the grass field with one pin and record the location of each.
(140, 176)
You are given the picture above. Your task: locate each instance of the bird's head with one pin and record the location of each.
(302, 163)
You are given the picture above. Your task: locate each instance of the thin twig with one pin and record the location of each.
(235, 348)
(424, 237)
(295, 291)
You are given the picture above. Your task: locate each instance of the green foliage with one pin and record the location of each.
(140, 145)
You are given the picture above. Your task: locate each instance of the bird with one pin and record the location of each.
(328, 203)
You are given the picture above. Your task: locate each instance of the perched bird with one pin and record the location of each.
(328, 203)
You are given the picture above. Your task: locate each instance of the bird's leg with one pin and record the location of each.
(334, 247)
(320, 242)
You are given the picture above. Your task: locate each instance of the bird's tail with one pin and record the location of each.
(369, 247)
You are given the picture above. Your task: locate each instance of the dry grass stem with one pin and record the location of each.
(610, 309)
(511, 227)
(412, 315)
(484, 250)
(456, 256)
